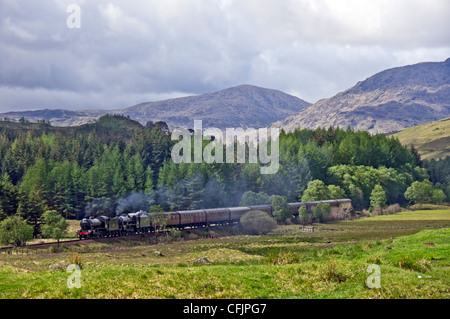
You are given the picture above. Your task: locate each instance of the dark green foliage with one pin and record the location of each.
(439, 171)
(424, 192)
(378, 197)
(321, 212)
(117, 164)
(9, 201)
(316, 190)
(304, 216)
(280, 208)
(55, 226)
(15, 231)
(359, 181)
(250, 198)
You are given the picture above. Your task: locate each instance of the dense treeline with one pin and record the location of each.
(84, 173)
(439, 172)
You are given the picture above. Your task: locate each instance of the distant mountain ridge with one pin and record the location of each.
(57, 117)
(389, 101)
(241, 106)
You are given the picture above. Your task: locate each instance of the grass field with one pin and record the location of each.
(431, 139)
(412, 250)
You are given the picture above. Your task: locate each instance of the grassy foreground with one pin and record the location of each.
(412, 250)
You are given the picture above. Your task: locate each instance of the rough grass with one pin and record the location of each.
(431, 139)
(411, 249)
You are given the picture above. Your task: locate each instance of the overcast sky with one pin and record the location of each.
(133, 51)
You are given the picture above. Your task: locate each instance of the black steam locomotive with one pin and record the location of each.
(142, 222)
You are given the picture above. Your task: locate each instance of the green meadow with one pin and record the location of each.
(411, 249)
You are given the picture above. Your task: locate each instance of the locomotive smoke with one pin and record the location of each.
(206, 194)
(91, 207)
(135, 202)
(200, 191)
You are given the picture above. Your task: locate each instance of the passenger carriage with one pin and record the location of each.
(217, 216)
(192, 218)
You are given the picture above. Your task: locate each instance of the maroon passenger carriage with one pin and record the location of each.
(142, 222)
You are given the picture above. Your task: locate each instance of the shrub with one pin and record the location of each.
(175, 233)
(378, 197)
(280, 208)
(257, 222)
(424, 192)
(15, 231)
(392, 209)
(55, 226)
(304, 216)
(321, 212)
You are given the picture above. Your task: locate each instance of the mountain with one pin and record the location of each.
(107, 127)
(241, 106)
(56, 117)
(389, 101)
(432, 140)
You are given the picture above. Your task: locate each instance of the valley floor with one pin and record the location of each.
(411, 249)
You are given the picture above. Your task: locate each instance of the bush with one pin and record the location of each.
(423, 193)
(175, 233)
(55, 226)
(304, 216)
(257, 222)
(392, 209)
(15, 231)
(280, 208)
(321, 212)
(378, 197)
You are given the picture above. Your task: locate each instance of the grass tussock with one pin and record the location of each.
(75, 259)
(282, 257)
(330, 272)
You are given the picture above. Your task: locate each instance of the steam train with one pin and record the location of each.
(142, 222)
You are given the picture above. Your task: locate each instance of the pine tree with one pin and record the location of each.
(31, 208)
(8, 196)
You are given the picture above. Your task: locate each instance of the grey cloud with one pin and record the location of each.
(135, 51)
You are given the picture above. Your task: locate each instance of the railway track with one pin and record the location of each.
(76, 241)
(37, 246)
(90, 240)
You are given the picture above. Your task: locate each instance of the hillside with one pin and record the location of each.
(57, 117)
(389, 101)
(240, 106)
(107, 127)
(432, 140)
